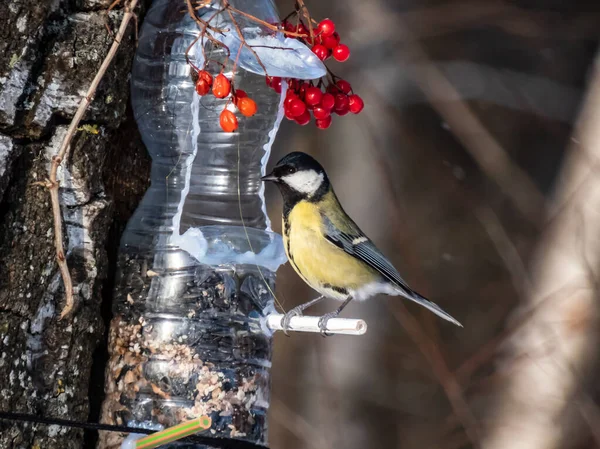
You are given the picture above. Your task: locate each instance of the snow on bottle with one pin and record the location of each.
(186, 337)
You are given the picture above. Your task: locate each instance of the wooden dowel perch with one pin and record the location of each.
(346, 326)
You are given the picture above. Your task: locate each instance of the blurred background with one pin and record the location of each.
(463, 168)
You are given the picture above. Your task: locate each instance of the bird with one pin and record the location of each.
(326, 247)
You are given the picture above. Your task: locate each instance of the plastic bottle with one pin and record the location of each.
(186, 338)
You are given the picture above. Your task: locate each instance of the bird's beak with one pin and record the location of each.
(269, 177)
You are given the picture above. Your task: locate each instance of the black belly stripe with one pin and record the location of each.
(286, 232)
(335, 288)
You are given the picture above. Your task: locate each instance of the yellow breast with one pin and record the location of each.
(320, 263)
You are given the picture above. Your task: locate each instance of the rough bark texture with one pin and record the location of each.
(49, 53)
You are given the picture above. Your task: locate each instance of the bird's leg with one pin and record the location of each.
(323, 320)
(297, 311)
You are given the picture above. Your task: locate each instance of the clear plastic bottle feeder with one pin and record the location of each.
(188, 336)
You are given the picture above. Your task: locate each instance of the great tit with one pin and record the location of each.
(326, 248)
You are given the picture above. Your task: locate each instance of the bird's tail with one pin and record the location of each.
(421, 300)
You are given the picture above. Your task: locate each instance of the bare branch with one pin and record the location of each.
(242, 39)
(444, 376)
(53, 184)
(477, 140)
(540, 392)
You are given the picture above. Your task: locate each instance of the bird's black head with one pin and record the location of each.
(299, 176)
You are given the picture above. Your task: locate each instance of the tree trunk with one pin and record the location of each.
(550, 359)
(49, 54)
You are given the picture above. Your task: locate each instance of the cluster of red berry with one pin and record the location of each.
(325, 41)
(321, 97)
(302, 97)
(221, 88)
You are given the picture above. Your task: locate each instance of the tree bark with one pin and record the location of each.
(49, 53)
(550, 359)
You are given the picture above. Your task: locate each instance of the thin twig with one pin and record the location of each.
(506, 249)
(239, 31)
(53, 184)
(308, 19)
(201, 36)
(487, 350)
(440, 369)
(297, 425)
(426, 344)
(491, 157)
(262, 22)
(187, 51)
(273, 47)
(106, 12)
(202, 23)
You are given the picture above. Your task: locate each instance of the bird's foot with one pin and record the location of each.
(285, 321)
(323, 322)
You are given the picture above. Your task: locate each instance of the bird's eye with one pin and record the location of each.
(290, 170)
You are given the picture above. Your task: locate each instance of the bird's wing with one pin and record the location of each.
(354, 242)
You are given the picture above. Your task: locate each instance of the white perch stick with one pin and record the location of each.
(347, 326)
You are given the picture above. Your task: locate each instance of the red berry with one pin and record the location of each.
(276, 84)
(321, 52)
(228, 121)
(323, 123)
(203, 74)
(356, 104)
(328, 101)
(326, 27)
(221, 86)
(303, 119)
(297, 107)
(247, 106)
(331, 42)
(313, 96)
(289, 97)
(287, 26)
(302, 89)
(202, 87)
(288, 114)
(333, 89)
(342, 104)
(302, 30)
(341, 53)
(344, 86)
(320, 112)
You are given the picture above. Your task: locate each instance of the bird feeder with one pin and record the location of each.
(189, 335)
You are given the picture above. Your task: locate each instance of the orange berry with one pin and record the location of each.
(221, 86)
(202, 87)
(247, 106)
(203, 74)
(239, 93)
(228, 121)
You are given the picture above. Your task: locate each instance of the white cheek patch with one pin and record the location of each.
(305, 181)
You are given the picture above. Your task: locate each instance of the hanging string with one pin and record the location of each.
(239, 194)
